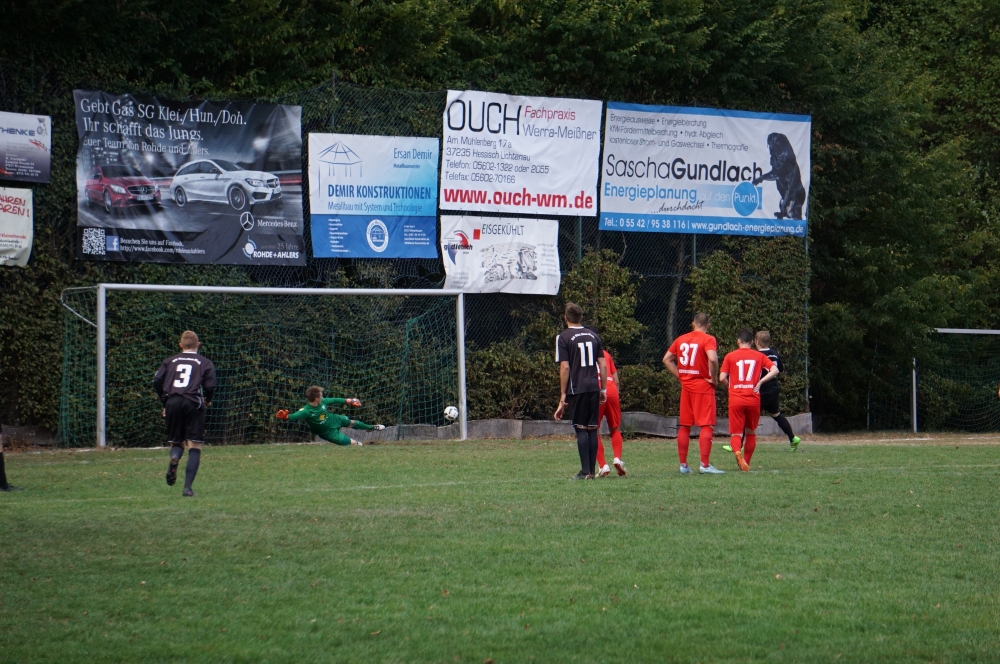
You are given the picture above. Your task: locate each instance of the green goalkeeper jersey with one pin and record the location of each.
(321, 422)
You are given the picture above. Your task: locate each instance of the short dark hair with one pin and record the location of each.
(314, 392)
(763, 338)
(700, 319)
(573, 313)
(745, 335)
(189, 340)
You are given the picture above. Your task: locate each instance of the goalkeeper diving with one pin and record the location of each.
(325, 424)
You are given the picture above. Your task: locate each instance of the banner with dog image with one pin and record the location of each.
(188, 182)
(373, 196)
(500, 254)
(671, 169)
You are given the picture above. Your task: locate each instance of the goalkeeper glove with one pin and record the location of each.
(378, 427)
(281, 415)
(353, 402)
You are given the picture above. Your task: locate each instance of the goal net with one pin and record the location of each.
(400, 352)
(951, 386)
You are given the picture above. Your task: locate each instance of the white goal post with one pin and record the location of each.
(102, 291)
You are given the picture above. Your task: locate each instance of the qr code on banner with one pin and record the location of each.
(94, 241)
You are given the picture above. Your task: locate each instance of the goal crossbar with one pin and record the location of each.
(102, 292)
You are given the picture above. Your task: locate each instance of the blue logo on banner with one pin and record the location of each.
(746, 199)
(112, 243)
(378, 235)
(249, 248)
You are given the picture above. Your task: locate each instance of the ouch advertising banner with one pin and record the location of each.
(700, 170)
(534, 155)
(373, 196)
(188, 182)
(16, 226)
(500, 255)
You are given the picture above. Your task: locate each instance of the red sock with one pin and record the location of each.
(683, 441)
(750, 446)
(736, 442)
(600, 453)
(616, 443)
(705, 445)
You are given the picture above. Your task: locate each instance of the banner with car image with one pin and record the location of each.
(672, 169)
(188, 182)
(500, 254)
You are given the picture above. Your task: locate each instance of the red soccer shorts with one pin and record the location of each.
(743, 417)
(611, 409)
(697, 408)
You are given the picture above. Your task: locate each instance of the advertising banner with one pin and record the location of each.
(500, 255)
(671, 169)
(16, 226)
(26, 145)
(188, 182)
(533, 155)
(373, 196)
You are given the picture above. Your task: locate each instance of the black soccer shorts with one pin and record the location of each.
(584, 408)
(185, 421)
(769, 401)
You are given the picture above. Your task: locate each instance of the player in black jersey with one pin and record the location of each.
(770, 391)
(185, 384)
(4, 486)
(579, 353)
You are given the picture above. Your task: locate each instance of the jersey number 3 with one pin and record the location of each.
(688, 353)
(183, 375)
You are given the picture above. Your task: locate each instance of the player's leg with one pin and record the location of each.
(194, 424)
(593, 408)
(684, 430)
(338, 437)
(704, 409)
(582, 437)
(602, 463)
(173, 413)
(613, 412)
(4, 486)
(737, 425)
(750, 440)
(770, 403)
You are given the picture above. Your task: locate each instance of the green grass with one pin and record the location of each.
(484, 550)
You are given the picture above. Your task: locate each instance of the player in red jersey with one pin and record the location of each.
(693, 359)
(741, 374)
(612, 409)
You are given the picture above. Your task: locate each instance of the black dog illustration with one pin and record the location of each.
(786, 175)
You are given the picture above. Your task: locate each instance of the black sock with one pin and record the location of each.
(3, 474)
(785, 426)
(176, 452)
(583, 447)
(194, 458)
(592, 439)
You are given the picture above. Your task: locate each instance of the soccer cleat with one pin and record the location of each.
(795, 443)
(685, 469)
(11, 487)
(188, 493)
(171, 475)
(727, 448)
(619, 466)
(357, 442)
(744, 466)
(710, 470)
(604, 471)
(582, 476)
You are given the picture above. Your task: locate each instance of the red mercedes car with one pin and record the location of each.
(116, 186)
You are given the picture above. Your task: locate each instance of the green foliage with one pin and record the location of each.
(507, 381)
(650, 390)
(760, 284)
(607, 293)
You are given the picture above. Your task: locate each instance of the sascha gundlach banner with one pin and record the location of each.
(188, 182)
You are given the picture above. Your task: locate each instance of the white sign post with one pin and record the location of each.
(520, 155)
(500, 255)
(16, 226)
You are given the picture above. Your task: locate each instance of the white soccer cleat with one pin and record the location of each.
(685, 469)
(356, 442)
(710, 470)
(604, 471)
(619, 466)
(378, 427)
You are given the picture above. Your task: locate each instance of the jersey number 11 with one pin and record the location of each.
(586, 353)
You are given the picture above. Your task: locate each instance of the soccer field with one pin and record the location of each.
(845, 551)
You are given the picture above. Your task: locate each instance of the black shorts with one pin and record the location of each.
(769, 401)
(185, 421)
(584, 408)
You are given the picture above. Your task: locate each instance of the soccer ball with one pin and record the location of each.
(451, 413)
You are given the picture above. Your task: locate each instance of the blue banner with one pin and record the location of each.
(373, 196)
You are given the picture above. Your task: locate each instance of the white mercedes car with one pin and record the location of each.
(221, 181)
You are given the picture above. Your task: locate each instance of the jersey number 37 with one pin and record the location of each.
(688, 353)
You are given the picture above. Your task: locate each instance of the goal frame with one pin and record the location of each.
(102, 330)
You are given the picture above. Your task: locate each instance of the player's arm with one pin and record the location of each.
(670, 362)
(208, 384)
(300, 414)
(337, 401)
(713, 366)
(563, 382)
(158, 380)
(771, 373)
(724, 374)
(603, 366)
(614, 379)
